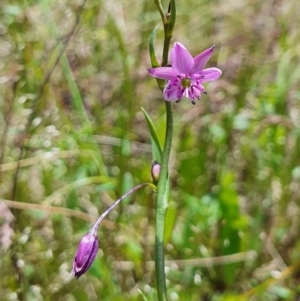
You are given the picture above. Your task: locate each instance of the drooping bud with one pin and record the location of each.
(155, 171)
(86, 253)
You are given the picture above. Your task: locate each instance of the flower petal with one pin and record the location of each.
(86, 253)
(210, 74)
(181, 59)
(194, 92)
(201, 59)
(166, 73)
(173, 91)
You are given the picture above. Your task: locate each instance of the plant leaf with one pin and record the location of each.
(172, 19)
(154, 62)
(143, 295)
(156, 146)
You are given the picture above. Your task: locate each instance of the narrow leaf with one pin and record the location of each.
(156, 146)
(172, 18)
(143, 295)
(154, 62)
(170, 221)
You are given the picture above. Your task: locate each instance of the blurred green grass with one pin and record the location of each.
(234, 169)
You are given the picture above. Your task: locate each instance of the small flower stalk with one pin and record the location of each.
(86, 253)
(186, 74)
(88, 246)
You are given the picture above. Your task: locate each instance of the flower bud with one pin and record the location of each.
(86, 253)
(155, 171)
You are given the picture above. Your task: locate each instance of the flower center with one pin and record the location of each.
(186, 82)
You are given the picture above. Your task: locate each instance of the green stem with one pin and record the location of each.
(167, 41)
(161, 10)
(163, 182)
(161, 207)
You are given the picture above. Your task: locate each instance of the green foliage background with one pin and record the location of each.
(233, 220)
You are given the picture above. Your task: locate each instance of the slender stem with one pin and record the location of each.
(95, 227)
(161, 207)
(167, 41)
(161, 10)
(163, 188)
(163, 182)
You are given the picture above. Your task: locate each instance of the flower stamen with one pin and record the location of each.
(186, 82)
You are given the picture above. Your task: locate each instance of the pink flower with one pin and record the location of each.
(86, 253)
(186, 75)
